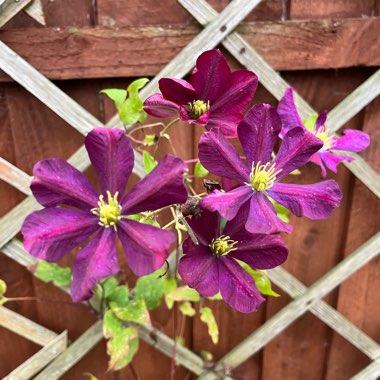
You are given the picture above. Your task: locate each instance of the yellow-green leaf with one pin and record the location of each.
(200, 170)
(183, 293)
(3, 289)
(119, 296)
(116, 94)
(50, 272)
(149, 162)
(207, 316)
(309, 123)
(134, 311)
(262, 281)
(187, 309)
(150, 288)
(122, 342)
(149, 140)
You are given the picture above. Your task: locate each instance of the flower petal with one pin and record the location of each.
(237, 287)
(258, 133)
(321, 120)
(199, 269)
(163, 186)
(146, 247)
(315, 201)
(332, 160)
(288, 112)
(185, 116)
(156, 105)
(227, 203)
(56, 182)
(352, 140)
(177, 90)
(112, 156)
(263, 219)
(206, 226)
(51, 233)
(295, 151)
(260, 251)
(94, 262)
(212, 76)
(219, 157)
(227, 111)
(316, 159)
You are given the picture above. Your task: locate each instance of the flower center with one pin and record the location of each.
(322, 134)
(108, 213)
(197, 108)
(263, 176)
(223, 245)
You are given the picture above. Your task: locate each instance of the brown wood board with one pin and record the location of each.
(69, 53)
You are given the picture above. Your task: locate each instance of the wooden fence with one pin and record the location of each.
(92, 46)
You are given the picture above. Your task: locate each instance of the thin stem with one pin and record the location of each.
(162, 133)
(146, 126)
(189, 229)
(192, 161)
(169, 224)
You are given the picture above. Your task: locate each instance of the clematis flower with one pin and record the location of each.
(260, 179)
(51, 233)
(211, 266)
(214, 97)
(352, 140)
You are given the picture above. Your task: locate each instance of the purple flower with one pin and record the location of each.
(215, 96)
(211, 266)
(258, 133)
(352, 141)
(53, 232)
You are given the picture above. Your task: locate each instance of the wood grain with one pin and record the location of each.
(143, 51)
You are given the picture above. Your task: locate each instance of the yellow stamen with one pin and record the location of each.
(263, 176)
(197, 108)
(322, 134)
(223, 245)
(109, 213)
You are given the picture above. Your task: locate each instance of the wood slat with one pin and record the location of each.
(371, 372)
(299, 306)
(10, 8)
(40, 360)
(25, 327)
(144, 50)
(14, 176)
(36, 11)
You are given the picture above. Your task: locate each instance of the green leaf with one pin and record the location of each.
(109, 285)
(180, 340)
(135, 311)
(91, 376)
(200, 170)
(116, 94)
(149, 140)
(149, 162)
(131, 110)
(207, 316)
(187, 309)
(144, 219)
(309, 123)
(262, 281)
(150, 289)
(50, 272)
(183, 293)
(122, 342)
(119, 296)
(3, 289)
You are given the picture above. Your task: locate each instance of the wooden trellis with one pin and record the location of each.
(55, 357)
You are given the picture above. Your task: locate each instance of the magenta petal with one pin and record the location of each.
(212, 77)
(295, 151)
(156, 105)
(237, 287)
(206, 226)
(163, 186)
(56, 182)
(185, 116)
(177, 90)
(146, 247)
(352, 140)
(227, 111)
(321, 120)
(288, 112)
(316, 159)
(263, 218)
(51, 233)
(258, 133)
(315, 201)
(94, 262)
(199, 269)
(112, 156)
(219, 157)
(227, 204)
(260, 251)
(332, 160)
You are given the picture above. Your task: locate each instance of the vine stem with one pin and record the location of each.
(162, 133)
